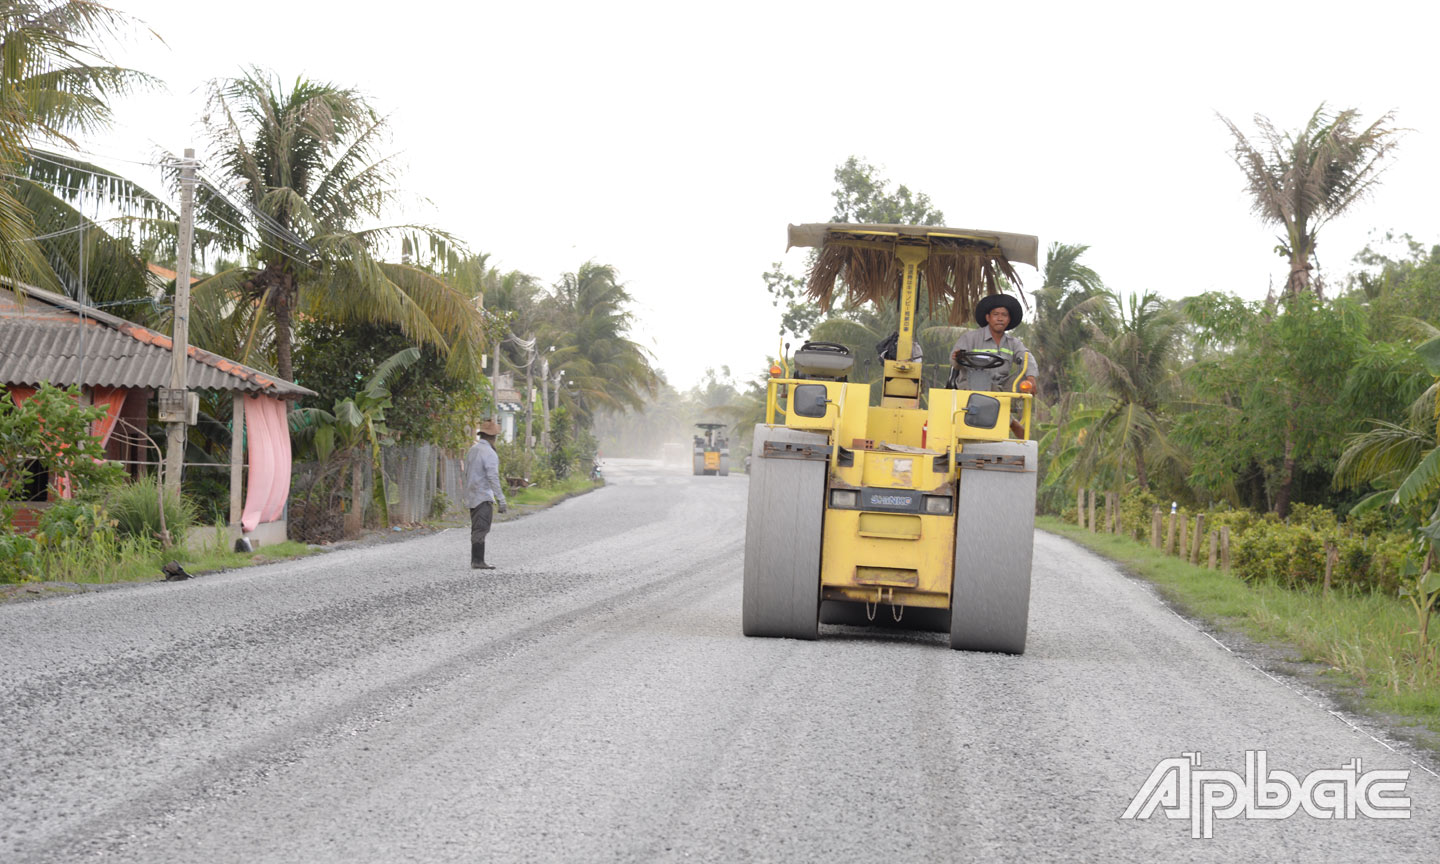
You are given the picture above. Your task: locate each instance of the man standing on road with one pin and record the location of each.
(482, 491)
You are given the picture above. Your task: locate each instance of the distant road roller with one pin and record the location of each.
(712, 451)
(920, 511)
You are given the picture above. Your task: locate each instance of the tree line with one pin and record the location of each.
(1324, 393)
(300, 273)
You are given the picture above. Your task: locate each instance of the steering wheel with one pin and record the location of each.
(971, 360)
(977, 360)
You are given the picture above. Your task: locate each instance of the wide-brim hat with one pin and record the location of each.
(489, 427)
(1011, 304)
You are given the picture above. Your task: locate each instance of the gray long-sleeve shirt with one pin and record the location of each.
(482, 475)
(1011, 350)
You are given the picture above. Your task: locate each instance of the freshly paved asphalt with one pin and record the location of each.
(593, 700)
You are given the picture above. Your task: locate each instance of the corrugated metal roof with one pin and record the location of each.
(42, 338)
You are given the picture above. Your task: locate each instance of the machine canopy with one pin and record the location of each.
(960, 265)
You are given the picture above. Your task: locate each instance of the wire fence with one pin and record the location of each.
(421, 482)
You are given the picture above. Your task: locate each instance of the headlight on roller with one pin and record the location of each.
(845, 499)
(937, 505)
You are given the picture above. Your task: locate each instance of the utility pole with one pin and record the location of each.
(545, 404)
(175, 406)
(495, 382)
(530, 398)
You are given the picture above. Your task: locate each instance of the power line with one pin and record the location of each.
(264, 221)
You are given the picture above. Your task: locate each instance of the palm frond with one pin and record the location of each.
(1386, 448)
(378, 386)
(957, 273)
(1421, 482)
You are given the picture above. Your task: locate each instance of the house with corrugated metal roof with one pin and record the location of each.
(509, 406)
(121, 366)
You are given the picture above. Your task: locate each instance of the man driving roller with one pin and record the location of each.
(997, 314)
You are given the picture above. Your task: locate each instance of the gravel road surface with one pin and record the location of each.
(593, 700)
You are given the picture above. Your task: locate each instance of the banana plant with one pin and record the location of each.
(354, 423)
(1422, 589)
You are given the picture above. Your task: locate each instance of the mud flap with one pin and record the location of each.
(994, 542)
(783, 521)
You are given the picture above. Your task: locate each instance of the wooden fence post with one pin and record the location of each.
(1184, 548)
(1170, 536)
(1092, 511)
(1155, 529)
(1214, 544)
(1332, 557)
(1195, 542)
(1080, 507)
(1225, 548)
(1119, 528)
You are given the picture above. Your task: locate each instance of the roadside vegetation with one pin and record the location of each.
(1305, 424)
(404, 330)
(1365, 636)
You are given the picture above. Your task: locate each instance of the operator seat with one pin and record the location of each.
(828, 361)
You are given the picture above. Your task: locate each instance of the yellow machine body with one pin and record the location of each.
(897, 449)
(881, 557)
(926, 500)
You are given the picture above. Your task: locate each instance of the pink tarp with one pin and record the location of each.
(267, 437)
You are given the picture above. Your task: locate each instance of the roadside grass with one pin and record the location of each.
(1366, 638)
(110, 559)
(536, 495)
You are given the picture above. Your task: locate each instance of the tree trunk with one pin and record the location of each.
(355, 516)
(283, 365)
(1140, 476)
(1287, 474)
(1302, 244)
(1299, 281)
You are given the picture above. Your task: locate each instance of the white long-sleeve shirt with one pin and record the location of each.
(482, 475)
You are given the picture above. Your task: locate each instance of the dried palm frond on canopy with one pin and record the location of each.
(961, 267)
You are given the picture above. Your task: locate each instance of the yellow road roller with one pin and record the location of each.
(920, 506)
(712, 451)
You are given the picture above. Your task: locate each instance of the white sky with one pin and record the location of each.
(675, 141)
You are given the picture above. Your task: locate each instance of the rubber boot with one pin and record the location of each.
(477, 557)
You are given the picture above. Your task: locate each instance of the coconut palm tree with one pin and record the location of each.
(589, 328)
(1121, 422)
(300, 177)
(54, 84)
(1300, 181)
(1402, 460)
(1056, 334)
(98, 260)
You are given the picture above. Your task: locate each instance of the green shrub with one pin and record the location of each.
(19, 561)
(1291, 554)
(516, 462)
(68, 522)
(1136, 513)
(135, 507)
(1371, 549)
